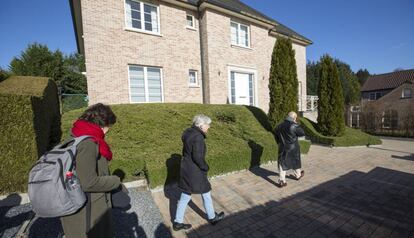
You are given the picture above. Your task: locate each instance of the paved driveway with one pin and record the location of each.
(346, 192)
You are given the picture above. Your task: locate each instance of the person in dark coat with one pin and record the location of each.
(92, 158)
(287, 134)
(193, 172)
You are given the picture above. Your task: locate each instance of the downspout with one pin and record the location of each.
(203, 71)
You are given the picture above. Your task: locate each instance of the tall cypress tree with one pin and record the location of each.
(283, 82)
(331, 120)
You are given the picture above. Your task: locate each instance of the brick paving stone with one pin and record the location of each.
(366, 191)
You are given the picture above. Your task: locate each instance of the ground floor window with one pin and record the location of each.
(145, 84)
(390, 119)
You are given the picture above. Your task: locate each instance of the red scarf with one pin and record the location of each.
(83, 128)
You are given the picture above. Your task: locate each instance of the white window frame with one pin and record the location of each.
(244, 70)
(146, 83)
(196, 84)
(186, 21)
(142, 30)
(403, 93)
(239, 35)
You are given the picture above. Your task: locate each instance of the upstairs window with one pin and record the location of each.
(374, 96)
(142, 16)
(190, 21)
(240, 34)
(407, 93)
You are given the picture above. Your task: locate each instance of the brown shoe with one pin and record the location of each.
(291, 176)
(302, 174)
(281, 184)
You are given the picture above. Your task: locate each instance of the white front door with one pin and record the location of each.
(241, 88)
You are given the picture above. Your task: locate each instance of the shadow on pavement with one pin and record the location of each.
(171, 190)
(10, 217)
(407, 157)
(379, 203)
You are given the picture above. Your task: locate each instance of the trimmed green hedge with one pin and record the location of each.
(304, 146)
(351, 137)
(149, 136)
(30, 125)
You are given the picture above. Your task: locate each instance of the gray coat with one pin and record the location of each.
(94, 177)
(287, 134)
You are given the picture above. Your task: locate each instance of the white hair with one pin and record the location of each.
(292, 115)
(200, 120)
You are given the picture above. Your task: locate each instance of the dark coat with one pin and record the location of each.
(94, 177)
(193, 173)
(287, 134)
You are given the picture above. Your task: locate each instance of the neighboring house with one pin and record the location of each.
(388, 102)
(206, 51)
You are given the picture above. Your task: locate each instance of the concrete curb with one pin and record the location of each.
(16, 199)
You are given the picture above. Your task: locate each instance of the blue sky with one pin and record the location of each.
(374, 34)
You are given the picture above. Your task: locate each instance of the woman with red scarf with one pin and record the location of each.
(93, 155)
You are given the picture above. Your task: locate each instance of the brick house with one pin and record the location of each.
(193, 51)
(387, 103)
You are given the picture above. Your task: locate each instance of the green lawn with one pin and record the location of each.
(351, 137)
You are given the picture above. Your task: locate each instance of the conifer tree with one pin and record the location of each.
(331, 120)
(283, 82)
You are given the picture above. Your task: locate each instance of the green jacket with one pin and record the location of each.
(94, 177)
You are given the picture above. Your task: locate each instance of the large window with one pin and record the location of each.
(145, 84)
(390, 119)
(142, 16)
(239, 34)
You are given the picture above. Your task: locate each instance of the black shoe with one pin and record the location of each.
(217, 218)
(181, 226)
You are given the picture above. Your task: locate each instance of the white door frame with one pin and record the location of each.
(242, 69)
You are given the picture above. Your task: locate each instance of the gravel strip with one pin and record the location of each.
(142, 219)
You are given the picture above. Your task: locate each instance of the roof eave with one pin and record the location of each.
(75, 9)
(249, 18)
(293, 38)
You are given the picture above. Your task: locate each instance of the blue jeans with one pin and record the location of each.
(185, 199)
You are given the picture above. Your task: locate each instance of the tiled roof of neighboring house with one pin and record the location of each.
(388, 81)
(241, 8)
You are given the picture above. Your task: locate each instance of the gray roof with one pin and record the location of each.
(241, 8)
(388, 81)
